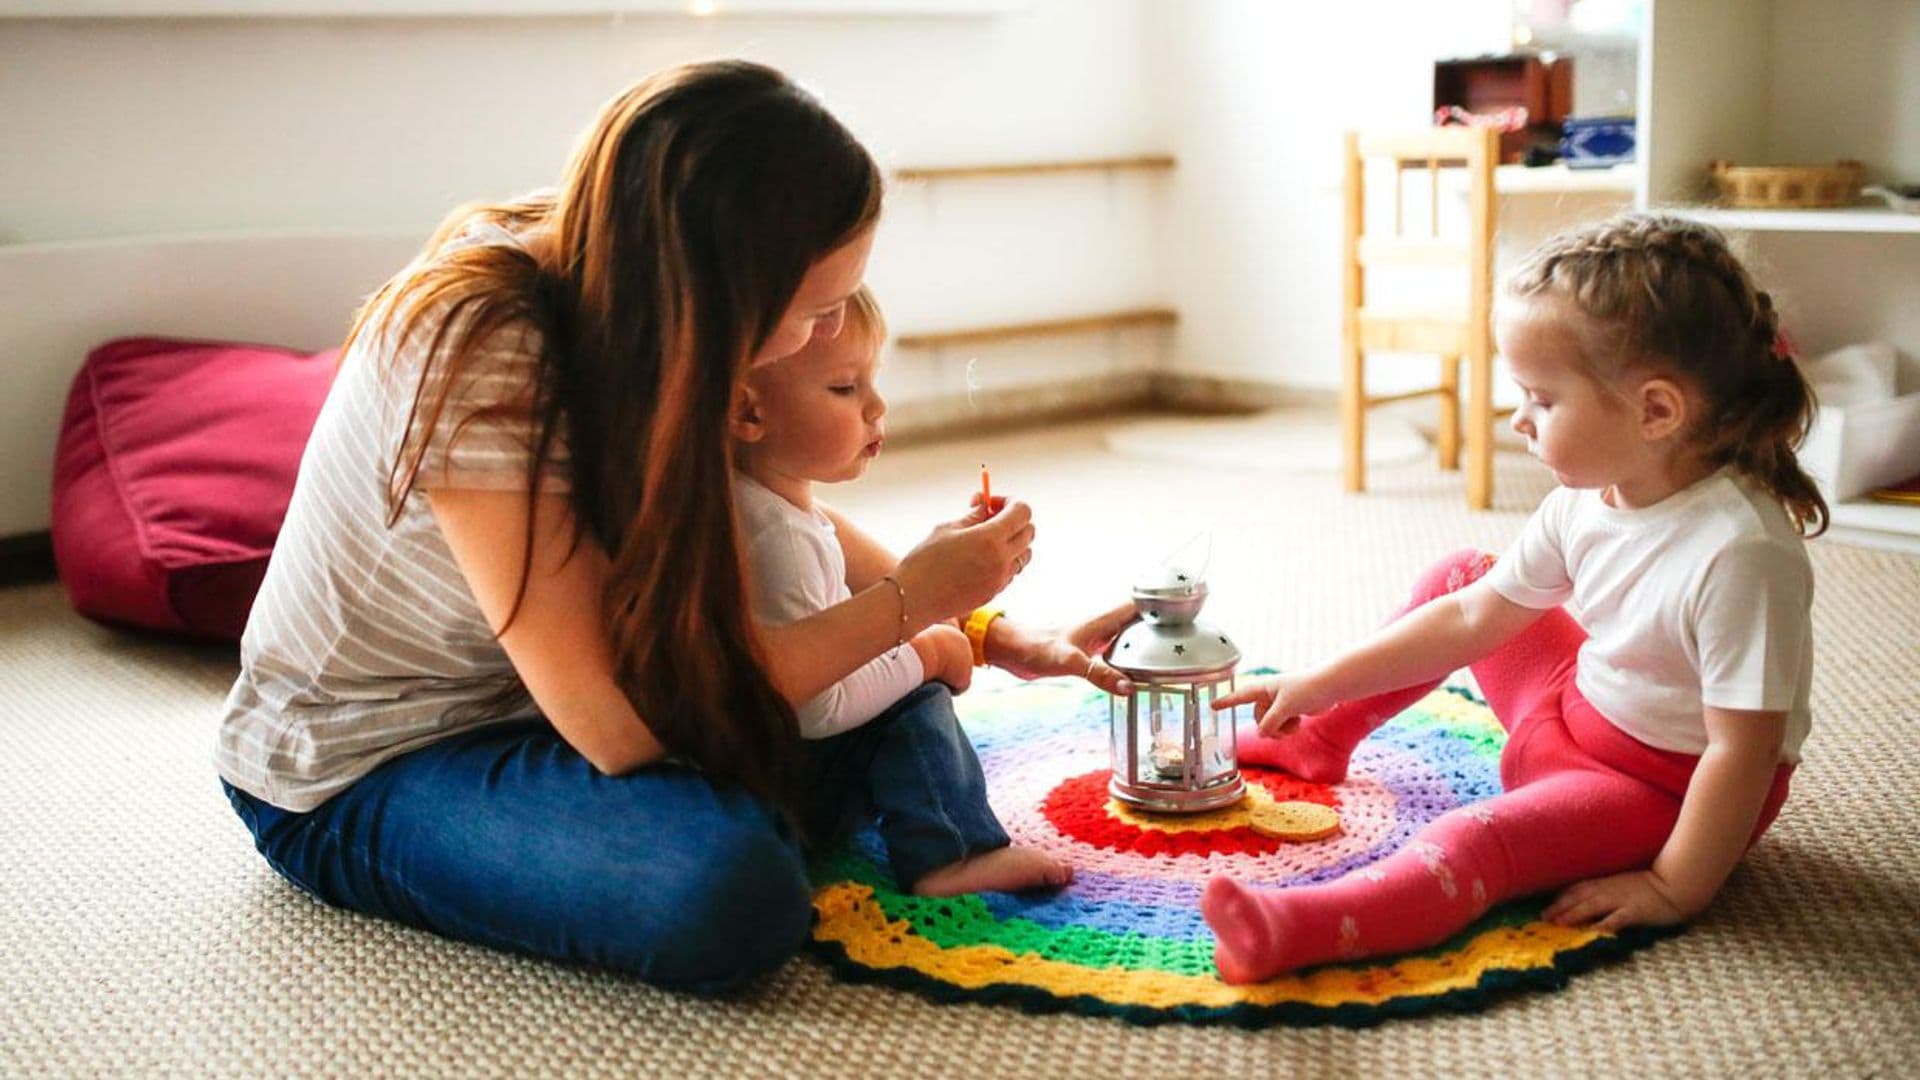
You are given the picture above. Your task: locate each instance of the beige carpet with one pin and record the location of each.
(142, 935)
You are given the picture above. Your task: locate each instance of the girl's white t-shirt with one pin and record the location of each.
(1702, 599)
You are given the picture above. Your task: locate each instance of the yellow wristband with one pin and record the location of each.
(977, 624)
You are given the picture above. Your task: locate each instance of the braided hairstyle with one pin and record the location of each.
(1665, 293)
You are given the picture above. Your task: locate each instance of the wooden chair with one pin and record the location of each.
(1460, 331)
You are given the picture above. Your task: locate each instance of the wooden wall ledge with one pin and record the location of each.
(1046, 328)
(1035, 168)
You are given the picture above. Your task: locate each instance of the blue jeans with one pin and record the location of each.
(912, 772)
(505, 836)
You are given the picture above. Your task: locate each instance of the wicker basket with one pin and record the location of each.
(1779, 187)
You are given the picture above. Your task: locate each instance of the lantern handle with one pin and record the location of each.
(1206, 558)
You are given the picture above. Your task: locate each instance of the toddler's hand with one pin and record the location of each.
(963, 564)
(946, 655)
(1635, 898)
(1280, 701)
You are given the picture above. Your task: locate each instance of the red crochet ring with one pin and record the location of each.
(1077, 807)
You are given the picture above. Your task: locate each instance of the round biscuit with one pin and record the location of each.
(1294, 821)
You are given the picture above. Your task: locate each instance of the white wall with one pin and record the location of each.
(1257, 95)
(122, 127)
(1842, 84)
(125, 127)
(118, 127)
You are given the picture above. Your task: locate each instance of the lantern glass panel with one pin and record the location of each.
(1224, 757)
(1161, 734)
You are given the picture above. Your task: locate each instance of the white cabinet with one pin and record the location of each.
(1798, 82)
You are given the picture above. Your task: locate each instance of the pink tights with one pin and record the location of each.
(1581, 799)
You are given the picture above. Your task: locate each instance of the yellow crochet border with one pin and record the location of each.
(850, 918)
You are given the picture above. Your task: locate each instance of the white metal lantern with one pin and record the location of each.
(1171, 751)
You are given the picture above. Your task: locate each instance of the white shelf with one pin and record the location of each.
(1755, 81)
(1840, 220)
(1568, 40)
(1558, 180)
(1876, 524)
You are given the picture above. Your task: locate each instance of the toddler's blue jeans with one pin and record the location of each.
(912, 771)
(507, 837)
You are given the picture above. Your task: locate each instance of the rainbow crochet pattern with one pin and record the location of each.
(1126, 938)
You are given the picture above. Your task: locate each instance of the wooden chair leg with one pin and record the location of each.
(1448, 439)
(1480, 431)
(1353, 418)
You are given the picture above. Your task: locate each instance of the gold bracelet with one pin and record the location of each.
(902, 590)
(976, 628)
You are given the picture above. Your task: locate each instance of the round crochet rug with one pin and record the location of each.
(1126, 938)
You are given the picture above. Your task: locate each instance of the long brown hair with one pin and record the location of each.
(683, 226)
(1663, 292)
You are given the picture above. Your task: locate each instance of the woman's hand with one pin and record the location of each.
(963, 564)
(1078, 650)
(1636, 898)
(1281, 701)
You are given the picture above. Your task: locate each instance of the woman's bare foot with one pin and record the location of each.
(1007, 869)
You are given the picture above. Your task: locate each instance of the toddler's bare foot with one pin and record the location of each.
(1301, 752)
(1007, 869)
(1250, 940)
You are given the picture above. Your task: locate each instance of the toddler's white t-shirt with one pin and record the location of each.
(1701, 599)
(796, 568)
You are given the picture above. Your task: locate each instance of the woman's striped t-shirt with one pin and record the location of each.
(365, 641)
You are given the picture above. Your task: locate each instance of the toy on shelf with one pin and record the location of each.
(1902, 197)
(1865, 433)
(1597, 142)
(1786, 187)
(1524, 96)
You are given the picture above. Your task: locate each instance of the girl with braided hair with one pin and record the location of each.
(1653, 729)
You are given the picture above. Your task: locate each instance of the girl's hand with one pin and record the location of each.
(1636, 898)
(963, 564)
(1078, 650)
(1280, 700)
(945, 656)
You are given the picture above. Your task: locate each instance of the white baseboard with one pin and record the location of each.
(1887, 526)
(928, 419)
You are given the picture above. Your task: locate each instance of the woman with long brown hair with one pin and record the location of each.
(500, 681)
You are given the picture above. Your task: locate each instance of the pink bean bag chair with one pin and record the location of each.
(175, 463)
